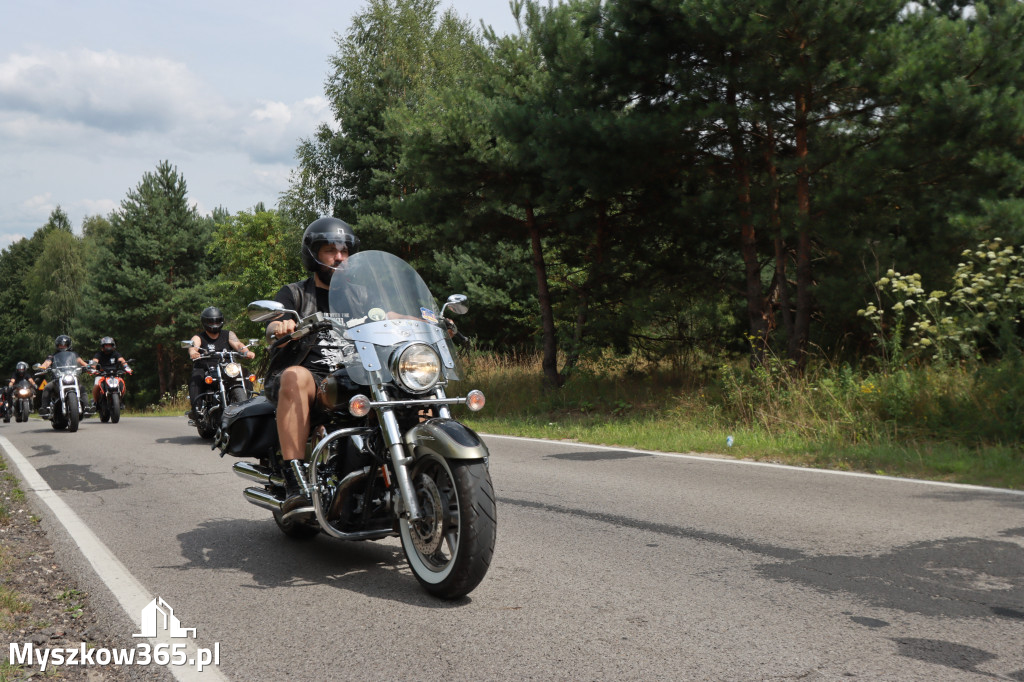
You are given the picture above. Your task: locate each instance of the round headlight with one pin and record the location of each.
(233, 369)
(417, 367)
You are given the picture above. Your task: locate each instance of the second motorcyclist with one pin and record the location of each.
(213, 337)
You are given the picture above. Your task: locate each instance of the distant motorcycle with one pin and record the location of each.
(5, 406)
(226, 383)
(66, 405)
(111, 392)
(20, 401)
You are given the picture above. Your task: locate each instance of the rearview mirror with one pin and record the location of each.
(186, 344)
(457, 304)
(265, 311)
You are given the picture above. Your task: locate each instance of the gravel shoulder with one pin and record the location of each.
(49, 599)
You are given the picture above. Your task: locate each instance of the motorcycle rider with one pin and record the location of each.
(297, 369)
(61, 343)
(213, 337)
(106, 357)
(20, 374)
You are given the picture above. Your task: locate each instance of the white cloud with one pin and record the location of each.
(41, 204)
(116, 93)
(101, 207)
(273, 129)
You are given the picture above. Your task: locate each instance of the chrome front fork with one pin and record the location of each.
(393, 441)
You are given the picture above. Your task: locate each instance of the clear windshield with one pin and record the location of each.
(384, 302)
(373, 285)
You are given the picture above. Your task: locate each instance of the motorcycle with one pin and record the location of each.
(112, 389)
(391, 460)
(66, 408)
(226, 384)
(20, 401)
(6, 410)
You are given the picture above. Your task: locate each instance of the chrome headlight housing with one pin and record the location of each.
(233, 370)
(416, 367)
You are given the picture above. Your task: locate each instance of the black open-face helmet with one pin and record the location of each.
(21, 369)
(107, 344)
(212, 320)
(62, 342)
(322, 231)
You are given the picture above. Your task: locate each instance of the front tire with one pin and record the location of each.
(102, 410)
(24, 410)
(237, 395)
(115, 407)
(73, 414)
(450, 549)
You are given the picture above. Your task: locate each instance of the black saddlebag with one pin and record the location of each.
(249, 429)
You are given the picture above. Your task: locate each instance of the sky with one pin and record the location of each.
(96, 93)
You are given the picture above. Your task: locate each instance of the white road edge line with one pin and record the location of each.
(131, 594)
(770, 465)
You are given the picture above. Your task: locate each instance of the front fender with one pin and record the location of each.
(445, 438)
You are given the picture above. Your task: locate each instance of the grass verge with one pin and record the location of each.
(957, 425)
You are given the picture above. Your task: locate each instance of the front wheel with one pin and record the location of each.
(237, 395)
(450, 548)
(115, 407)
(24, 410)
(73, 414)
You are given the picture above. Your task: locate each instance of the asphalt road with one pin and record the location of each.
(610, 564)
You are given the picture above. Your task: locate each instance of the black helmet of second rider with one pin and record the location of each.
(21, 369)
(62, 343)
(212, 320)
(322, 231)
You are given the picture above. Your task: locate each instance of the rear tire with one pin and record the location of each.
(115, 407)
(102, 410)
(450, 549)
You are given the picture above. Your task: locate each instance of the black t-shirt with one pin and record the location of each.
(107, 360)
(327, 351)
(208, 344)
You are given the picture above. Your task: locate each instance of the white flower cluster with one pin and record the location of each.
(988, 289)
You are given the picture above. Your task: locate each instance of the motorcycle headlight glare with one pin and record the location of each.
(23, 392)
(417, 367)
(233, 369)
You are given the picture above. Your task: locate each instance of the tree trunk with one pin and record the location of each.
(757, 304)
(547, 316)
(781, 285)
(161, 370)
(802, 318)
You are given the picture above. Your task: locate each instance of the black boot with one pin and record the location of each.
(296, 488)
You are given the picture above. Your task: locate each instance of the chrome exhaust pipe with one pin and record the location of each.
(257, 473)
(261, 498)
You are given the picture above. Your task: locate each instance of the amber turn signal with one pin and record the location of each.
(359, 406)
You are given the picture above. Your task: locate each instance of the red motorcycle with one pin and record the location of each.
(112, 390)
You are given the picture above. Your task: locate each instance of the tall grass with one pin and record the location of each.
(958, 422)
